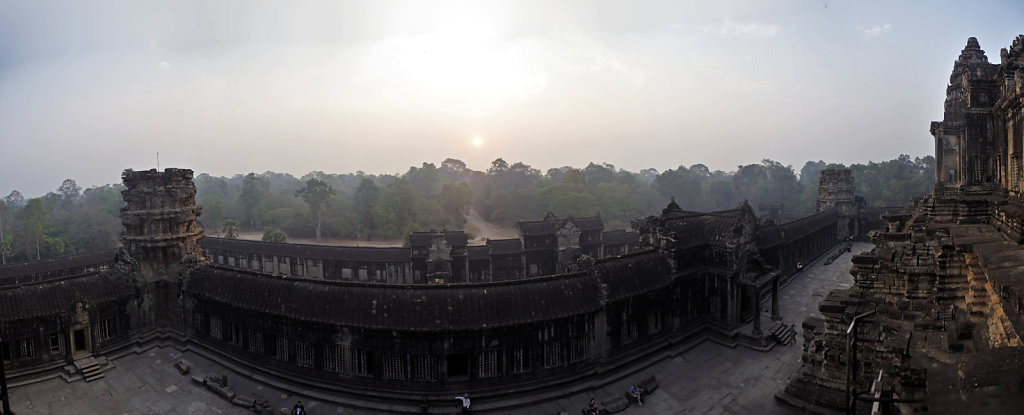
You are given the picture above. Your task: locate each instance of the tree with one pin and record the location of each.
(5, 245)
(253, 189)
(455, 201)
(69, 190)
(497, 166)
(275, 235)
(15, 199)
(33, 218)
(397, 207)
(364, 200)
(315, 194)
(230, 229)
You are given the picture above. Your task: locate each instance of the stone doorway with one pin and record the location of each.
(80, 343)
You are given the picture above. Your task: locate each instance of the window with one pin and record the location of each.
(655, 321)
(105, 330)
(281, 348)
(197, 322)
(216, 327)
(393, 366)
(303, 353)
(233, 334)
(579, 349)
(55, 342)
(361, 362)
(628, 329)
(26, 348)
(334, 358)
(520, 359)
(255, 341)
(5, 350)
(424, 368)
(552, 354)
(488, 364)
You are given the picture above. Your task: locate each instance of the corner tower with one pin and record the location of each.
(160, 229)
(835, 190)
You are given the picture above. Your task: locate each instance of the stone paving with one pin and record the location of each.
(707, 379)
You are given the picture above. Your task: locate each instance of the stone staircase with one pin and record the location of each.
(89, 369)
(785, 334)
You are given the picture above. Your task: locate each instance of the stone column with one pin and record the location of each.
(755, 297)
(775, 298)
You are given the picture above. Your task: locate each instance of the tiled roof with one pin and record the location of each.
(40, 299)
(619, 237)
(633, 274)
(505, 246)
(400, 307)
(53, 264)
(347, 253)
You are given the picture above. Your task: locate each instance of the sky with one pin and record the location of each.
(88, 89)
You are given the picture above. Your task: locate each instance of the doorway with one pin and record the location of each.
(79, 339)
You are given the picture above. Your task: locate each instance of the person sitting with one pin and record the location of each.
(635, 391)
(465, 403)
(799, 267)
(592, 407)
(299, 409)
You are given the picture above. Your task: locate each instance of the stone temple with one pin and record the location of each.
(934, 313)
(933, 322)
(507, 321)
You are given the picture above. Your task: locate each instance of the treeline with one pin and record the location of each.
(64, 222)
(364, 206)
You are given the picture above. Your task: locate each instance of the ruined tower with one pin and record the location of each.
(835, 190)
(160, 228)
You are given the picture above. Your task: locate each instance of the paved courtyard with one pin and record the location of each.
(707, 379)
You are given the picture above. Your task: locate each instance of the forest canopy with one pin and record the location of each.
(362, 207)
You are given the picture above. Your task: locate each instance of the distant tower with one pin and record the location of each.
(835, 190)
(439, 260)
(160, 228)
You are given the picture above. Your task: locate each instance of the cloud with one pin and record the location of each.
(164, 66)
(876, 30)
(747, 29)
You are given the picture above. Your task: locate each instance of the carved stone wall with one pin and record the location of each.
(160, 228)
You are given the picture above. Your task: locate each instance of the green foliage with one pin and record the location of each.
(275, 235)
(251, 198)
(364, 202)
(230, 228)
(358, 205)
(34, 218)
(315, 193)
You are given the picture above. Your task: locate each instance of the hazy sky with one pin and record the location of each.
(88, 89)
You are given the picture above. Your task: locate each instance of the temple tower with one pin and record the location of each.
(835, 190)
(160, 228)
(964, 144)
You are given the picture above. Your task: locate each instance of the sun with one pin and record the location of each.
(477, 141)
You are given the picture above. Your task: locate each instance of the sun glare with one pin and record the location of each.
(477, 141)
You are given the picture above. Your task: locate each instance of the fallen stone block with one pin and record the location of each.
(615, 405)
(183, 367)
(244, 401)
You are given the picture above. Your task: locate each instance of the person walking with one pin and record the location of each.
(465, 403)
